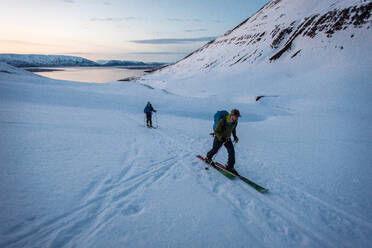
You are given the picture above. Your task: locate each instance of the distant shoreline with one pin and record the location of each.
(41, 69)
(51, 69)
(138, 67)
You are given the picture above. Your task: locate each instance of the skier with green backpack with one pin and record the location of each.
(225, 125)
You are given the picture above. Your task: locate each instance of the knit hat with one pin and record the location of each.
(235, 112)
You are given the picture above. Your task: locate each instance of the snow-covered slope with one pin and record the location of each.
(285, 30)
(293, 50)
(31, 60)
(79, 169)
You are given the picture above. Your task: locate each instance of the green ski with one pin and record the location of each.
(221, 168)
(213, 164)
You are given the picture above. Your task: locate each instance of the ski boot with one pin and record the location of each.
(208, 160)
(232, 170)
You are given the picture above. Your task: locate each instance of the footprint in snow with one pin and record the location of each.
(132, 209)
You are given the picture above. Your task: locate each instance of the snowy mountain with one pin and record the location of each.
(284, 30)
(34, 60)
(80, 169)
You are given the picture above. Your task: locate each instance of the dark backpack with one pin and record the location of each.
(218, 116)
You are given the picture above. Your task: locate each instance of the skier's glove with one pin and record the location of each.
(236, 140)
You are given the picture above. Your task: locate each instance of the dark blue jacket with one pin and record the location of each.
(149, 109)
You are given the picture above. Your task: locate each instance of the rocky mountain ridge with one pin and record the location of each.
(282, 28)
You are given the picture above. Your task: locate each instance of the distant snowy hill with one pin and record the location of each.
(128, 63)
(34, 60)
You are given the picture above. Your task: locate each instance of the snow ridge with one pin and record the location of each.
(281, 27)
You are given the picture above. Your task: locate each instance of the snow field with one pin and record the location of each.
(80, 169)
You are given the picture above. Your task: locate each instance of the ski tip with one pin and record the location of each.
(200, 157)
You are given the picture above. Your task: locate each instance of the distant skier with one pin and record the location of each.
(225, 125)
(148, 111)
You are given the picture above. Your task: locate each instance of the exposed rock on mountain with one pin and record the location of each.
(283, 28)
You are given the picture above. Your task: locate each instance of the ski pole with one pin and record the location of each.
(156, 120)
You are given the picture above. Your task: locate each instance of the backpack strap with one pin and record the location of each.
(224, 121)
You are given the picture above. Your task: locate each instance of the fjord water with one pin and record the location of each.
(91, 74)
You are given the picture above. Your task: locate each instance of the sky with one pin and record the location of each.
(142, 30)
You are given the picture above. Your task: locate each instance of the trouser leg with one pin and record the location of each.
(216, 146)
(231, 151)
(148, 120)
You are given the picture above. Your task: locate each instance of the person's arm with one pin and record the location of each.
(234, 133)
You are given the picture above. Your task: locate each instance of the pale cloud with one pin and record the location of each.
(195, 30)
(170, 19)
(77, 53)
(173, 41)
(27, 43)
(113, 19)
(159, 53)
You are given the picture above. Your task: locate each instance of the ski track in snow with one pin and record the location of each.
(286, 207)
(280, 207)
(103, 199)
(291, 214)
(278, 204)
